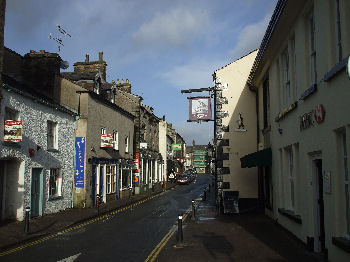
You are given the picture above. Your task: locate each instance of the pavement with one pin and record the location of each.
(12, 234)
(248, 236)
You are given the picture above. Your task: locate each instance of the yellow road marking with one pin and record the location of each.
(93, 220)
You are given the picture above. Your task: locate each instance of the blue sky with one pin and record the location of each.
(161, 46)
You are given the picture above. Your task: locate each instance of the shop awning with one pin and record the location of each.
(259, 158)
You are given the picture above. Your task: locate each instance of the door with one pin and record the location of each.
(319, 245)
(35, 192)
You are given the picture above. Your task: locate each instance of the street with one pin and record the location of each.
(126, 236)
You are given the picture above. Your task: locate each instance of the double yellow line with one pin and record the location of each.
(93, 220)
(155, 252)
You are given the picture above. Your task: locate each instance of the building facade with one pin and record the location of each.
(238, 129)
(302, 93)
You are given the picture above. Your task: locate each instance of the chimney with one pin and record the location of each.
(124, 86)
(87, 58)
(100, 56)
(89, 66)
(40, 69)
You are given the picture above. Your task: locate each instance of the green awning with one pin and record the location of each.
(259, 158)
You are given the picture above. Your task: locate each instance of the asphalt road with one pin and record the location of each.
(127, 236)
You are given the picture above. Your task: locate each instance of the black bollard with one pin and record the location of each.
(193, 210)
(179, 231)
(26, 225)
(98, 204)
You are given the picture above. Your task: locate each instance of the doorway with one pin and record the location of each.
(319, 231)
(35, 192)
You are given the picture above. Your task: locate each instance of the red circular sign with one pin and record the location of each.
(319, 114)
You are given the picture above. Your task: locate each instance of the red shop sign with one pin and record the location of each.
(319, 114)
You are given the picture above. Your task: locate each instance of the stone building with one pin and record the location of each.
(2, 26)
(37, 148)
(238, 129)
(302, 92)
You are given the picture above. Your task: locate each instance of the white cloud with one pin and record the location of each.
(173, 29)
(250, 38)
(195, 74)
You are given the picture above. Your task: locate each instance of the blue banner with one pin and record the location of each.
(80, 160)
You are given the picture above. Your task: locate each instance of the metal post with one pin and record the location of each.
(26, 225)
(98, 204)
(179, 231)
(193, 210)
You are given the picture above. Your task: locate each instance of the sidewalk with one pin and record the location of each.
(237, 237)
(12, 234)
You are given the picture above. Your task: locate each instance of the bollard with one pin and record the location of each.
(209, 187)
(179, 231)
(205, 195)
(193, 210)
(26, 225)
(98, 204)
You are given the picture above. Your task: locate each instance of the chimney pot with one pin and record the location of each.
(117, 81)
(32, 51)
(122, 81)
(100, 55)
(127, 81)
(87, 58)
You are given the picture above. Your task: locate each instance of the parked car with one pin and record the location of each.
(183, 179)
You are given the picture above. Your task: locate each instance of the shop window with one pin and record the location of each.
(55, 182)
(126, 178)
(52, 135)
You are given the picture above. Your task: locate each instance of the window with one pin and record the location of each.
(266, 103)
(110, 179)
(126, 177)
(52, 135)
(290, 172)
(115, 140)
(338, 31)
(103, 130)
(286, 77)
(55, 182)
(344, 158)
(313, 73)
(295, 84)
(11, 114)
(127, 144)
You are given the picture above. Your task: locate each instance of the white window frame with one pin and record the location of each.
(110, 179)
(115, 140)
(286, 77)
(14, 114)
(52, 134)
(55, 189)
(312, 50)
(103, 130)
(339, 48)
(344, 159)
(127, 144)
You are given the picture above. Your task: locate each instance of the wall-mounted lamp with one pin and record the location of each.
(280, 130)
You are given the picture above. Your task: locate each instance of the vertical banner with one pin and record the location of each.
(136, 170)
(80, 161)
(200, 108)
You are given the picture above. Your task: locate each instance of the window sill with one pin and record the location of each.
(335, 70)
(11, 144)
(342, 243)
(286, 111)
(53, 150)
(308, 92)
(290, 214)
(53, 198)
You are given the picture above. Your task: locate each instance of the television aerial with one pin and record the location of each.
(59, 40)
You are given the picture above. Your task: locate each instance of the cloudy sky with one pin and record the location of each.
(161, 46)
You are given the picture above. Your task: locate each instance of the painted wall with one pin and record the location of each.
(241, 141)
(35, 116)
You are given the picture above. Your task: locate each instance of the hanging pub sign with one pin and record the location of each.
(13, 131)
(200, 108)
(106, 140)
(319, 114)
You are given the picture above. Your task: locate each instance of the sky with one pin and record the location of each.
(161, 46)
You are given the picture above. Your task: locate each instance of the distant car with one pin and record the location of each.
(183, 179)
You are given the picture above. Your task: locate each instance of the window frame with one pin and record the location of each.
(312, 50)
(286, 77)
(115, 140)
(127, 144)
(58, 182)
(52, 134)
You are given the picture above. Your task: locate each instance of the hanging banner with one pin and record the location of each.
(136, 162)
(13, 131)
(106, 140)
(176, 147)
(200, 108)
(80, 160)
